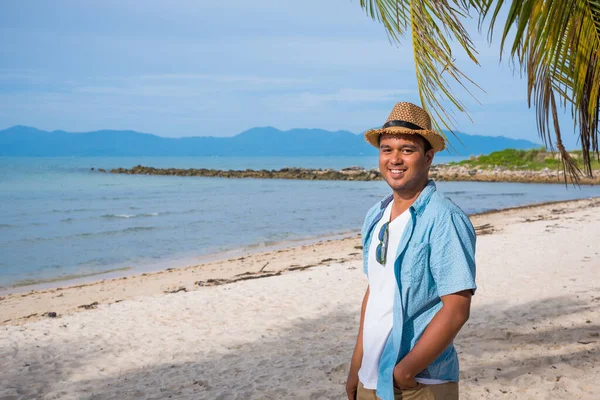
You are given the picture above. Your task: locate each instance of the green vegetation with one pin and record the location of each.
(534, 160)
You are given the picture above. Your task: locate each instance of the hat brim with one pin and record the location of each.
(435, 139)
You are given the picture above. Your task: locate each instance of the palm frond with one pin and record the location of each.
(392, 14)
(557, 44)
(433, 25)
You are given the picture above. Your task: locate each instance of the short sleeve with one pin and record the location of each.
(452, 257)
(369, 219)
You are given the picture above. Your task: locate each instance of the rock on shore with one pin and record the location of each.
(448, 172)
(346, 174)
(439, 172)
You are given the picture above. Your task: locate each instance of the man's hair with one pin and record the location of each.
(426, 144)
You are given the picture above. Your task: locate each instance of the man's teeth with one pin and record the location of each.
(397, 171)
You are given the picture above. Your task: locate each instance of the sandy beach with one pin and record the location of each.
(282, 324)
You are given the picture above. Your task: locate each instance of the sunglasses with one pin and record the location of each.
(381, 251)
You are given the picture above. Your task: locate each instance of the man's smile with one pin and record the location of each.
(397, 172)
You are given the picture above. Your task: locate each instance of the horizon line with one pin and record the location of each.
(447, 132)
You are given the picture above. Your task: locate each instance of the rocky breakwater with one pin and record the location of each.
(439, 172)
(449, 172)
(346, 174)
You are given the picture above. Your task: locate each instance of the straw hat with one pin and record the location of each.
(407, 118)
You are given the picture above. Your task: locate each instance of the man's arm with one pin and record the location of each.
(452, 265)
(437, 337)
(352, 381)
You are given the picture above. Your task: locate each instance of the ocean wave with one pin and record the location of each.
(115, 198)
(67, 211)
(117, 216)
(129, 216)
(87, 235)
(484, 195)
(7, 226)
(50, 267)
(191, 211)
(114, 232)
(94, 262)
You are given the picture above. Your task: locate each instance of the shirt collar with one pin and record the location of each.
(419, 205)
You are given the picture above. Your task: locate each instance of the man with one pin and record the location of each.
(419, 257)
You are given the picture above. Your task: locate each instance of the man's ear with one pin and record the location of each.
(429, 156)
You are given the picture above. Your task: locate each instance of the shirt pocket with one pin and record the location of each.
(416, 263)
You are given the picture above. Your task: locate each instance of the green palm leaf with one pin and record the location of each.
(558, 46)
(556, 43)
(432, 25)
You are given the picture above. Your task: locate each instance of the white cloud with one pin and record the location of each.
(246, 79)
(310, 100)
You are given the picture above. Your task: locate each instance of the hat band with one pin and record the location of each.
(402, 124)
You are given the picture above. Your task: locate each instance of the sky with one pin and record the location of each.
(200, 68)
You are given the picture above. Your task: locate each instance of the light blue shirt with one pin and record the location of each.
(435, 257)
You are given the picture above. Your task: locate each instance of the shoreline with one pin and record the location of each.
(180, 262)
(220, 256)
(21, 307)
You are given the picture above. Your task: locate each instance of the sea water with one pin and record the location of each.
(60, 220)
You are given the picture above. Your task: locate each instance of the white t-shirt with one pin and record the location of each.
(379, 317)
(382, 287)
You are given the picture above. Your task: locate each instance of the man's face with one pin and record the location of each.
(403, 162)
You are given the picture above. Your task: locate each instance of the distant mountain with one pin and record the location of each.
(267, 141)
